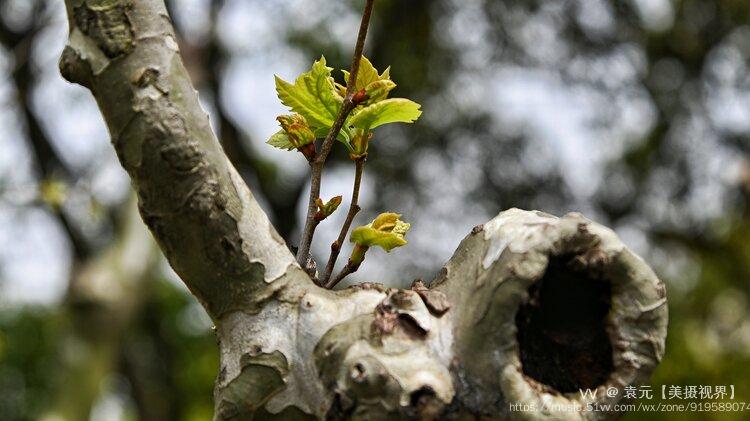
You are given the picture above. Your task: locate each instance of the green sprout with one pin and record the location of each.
(317, 98)
(387, 231)
(346, 112)
(326, 209)
(294, 134)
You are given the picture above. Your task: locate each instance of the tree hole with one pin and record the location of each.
(561, 328)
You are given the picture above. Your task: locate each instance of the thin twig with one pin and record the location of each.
(359, 165)
(317, 165)
(345, 271)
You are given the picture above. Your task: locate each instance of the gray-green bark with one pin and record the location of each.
(290, 349)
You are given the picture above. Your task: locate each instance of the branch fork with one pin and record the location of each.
(477, 340)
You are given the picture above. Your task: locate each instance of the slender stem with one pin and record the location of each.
(359, 166)
(345, 271)
(317, 165)
(316, 174)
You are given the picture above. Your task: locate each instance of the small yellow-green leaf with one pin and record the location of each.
(386, 231)
(332, 204)
(368, 236)
(394, 110)
(376, 86)
(326, 209)
(360, 141)
(385, 221)
(386, 73)
(312, 95)
(378, 90)
(297, 130)
(365, 75)
(281, 140)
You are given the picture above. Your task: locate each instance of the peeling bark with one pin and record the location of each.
(495, 276)
(292, 350)
(210, 228)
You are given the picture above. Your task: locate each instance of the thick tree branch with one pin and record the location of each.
(477, 341)
(206, 221)
(561, 304)
(348, 105)
(528, 310)
(208, 61)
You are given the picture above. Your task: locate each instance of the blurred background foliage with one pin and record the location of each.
(634, 112)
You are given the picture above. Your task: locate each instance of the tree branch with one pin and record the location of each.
(292, 350)
(359, 165)
(206, 62)
(561, 304)
(203, 216)
(347, 270)
(348, 105)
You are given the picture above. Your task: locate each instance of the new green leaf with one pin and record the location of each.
(378, 90)
(394, 110)
(386, 231)
(281, 140)
(366, 74)
(294, 134)
(312, 95)
(325, 209)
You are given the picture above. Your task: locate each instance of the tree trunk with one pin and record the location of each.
(530, 309)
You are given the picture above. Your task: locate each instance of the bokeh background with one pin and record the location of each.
(634, 112)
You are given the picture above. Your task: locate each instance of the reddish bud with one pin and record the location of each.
(360, 97)
(309, 151)
(325, 209)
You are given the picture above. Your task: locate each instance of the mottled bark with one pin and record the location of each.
(206, 62)
(529, 309)
(548, 306)
(206, 221)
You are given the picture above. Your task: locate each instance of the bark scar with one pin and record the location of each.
(108, 24)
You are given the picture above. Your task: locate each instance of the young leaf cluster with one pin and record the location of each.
(316, 99)
(319, 105)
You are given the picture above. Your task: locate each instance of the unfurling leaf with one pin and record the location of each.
(326, 209)
(297, 130)
(366, 74)
(281, 140)
(312, 95)
(387, 231)
(378, 90)
(360, 142)
(373, 86)
(294, 134)
(394, 110)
